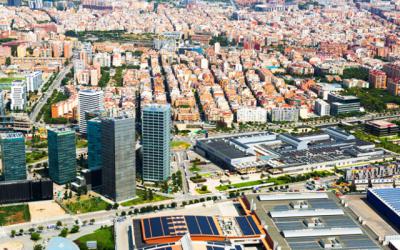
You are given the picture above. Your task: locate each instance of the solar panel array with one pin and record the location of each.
(391, 196)
(247, 225)
(164, 226)
(201, 225)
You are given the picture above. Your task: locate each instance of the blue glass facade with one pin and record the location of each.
(13, 156)
(94, 144)
(62, 155)
(156, 139)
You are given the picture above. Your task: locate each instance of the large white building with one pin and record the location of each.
(322, 108)
(18, 95)
(102, 59)
(284, 114)
(88, 100)
(252, 114)
(34, 81)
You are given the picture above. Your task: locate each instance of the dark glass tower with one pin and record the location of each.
(13, 156)
(118, 157)
(62, 155)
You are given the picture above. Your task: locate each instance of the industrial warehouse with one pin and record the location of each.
(287, 153)
(387, 202)
(308, 221)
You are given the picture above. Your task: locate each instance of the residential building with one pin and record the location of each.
(252, 114)
(392, 70)
(284, 114)
(88, 100)
(393, 86)
(18, 95)
(322, 108)
(156, 129)
(62, 155)
(118, 157)
(377, 79)
(13, 156)
(34, 81)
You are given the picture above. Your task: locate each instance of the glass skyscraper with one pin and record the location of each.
(156, 130)
(62, 155)
(13, 156)
(94, 144)
(118, 157)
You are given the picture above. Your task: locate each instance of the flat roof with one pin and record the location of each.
(161, 228)
(382, 124)
(389, 196)
(309, 229)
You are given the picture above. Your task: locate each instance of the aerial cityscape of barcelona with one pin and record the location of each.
(199, 124)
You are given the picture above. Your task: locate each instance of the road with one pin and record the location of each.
(180, 159)
(55, 85)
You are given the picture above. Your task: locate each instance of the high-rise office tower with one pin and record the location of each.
(13, 156)
(88, 100)
(156, 129)
(118, 157)
(62, 155)
(94, 144)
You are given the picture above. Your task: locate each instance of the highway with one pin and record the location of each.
(55, 85)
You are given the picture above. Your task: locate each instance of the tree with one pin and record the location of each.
(38, 247)
(64, 232)
(13, 233)
(151, 196)
(123, 213)
(21, 231)
(92, 221)
(8, 61)
(59, 223)
(74, 229)
(35, 236)
(115, 205)
(40, 228)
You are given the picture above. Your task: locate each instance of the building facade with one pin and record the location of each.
(88, 100)
(94, 144)
(377, 79)
(156, 129)
(322, 108)
(18, 95)
(13, 156)
(34, 81)
(284, 114)
(118, 157)
(343, 104)
(62, 155)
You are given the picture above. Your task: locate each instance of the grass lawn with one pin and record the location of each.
(198, 190)
(141, 199)
(194, 168)
(103, 236)
(8, 80)
(14, 214)
(86, 205)
(242, 184)
(81, 143)
(180, 145)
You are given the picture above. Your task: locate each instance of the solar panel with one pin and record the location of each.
(156, 227)
(253, 225)
(147, 229)
(192, 225)
(244, 226)
(205, 227)
(213, 226)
